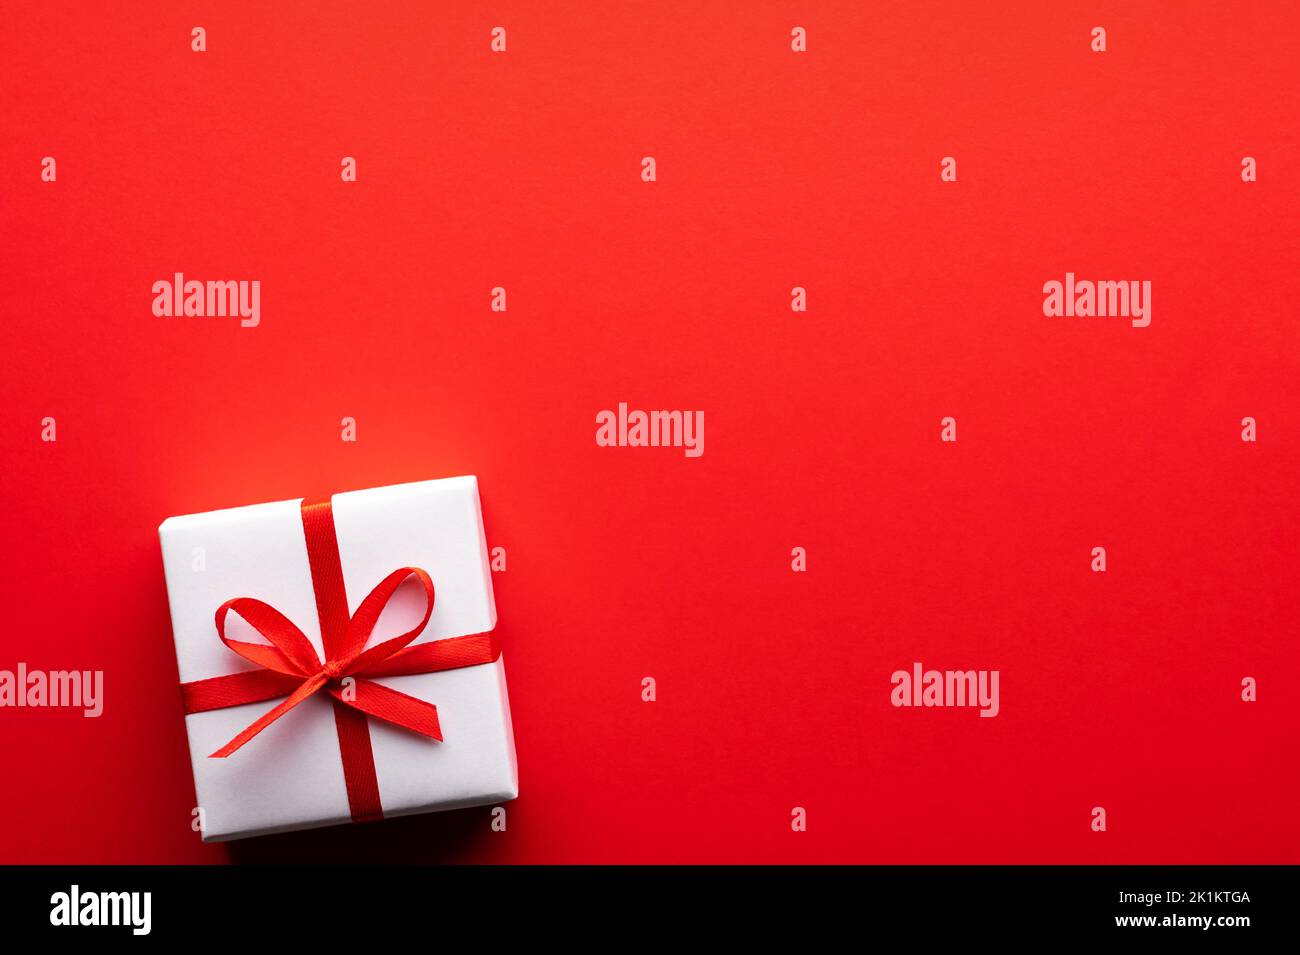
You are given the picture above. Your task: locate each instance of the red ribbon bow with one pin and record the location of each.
(291, 668)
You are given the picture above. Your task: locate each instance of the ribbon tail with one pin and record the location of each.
(309, 686)
(379, 701)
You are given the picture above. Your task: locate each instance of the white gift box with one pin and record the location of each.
(291, 775)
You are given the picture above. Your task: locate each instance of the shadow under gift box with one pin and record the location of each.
(291, 775)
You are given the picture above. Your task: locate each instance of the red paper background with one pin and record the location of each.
(822, 430)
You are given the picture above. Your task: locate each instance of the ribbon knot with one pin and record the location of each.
(333, 669)
(289, 667)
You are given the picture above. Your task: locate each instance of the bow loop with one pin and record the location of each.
(362, 624)
(290, 651)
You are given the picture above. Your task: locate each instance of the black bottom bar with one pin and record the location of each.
(611, 905)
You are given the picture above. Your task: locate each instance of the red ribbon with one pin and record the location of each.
(291, 668)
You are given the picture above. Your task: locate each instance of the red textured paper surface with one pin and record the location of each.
(775, 169)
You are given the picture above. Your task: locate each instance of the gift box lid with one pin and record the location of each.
(290, 776)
